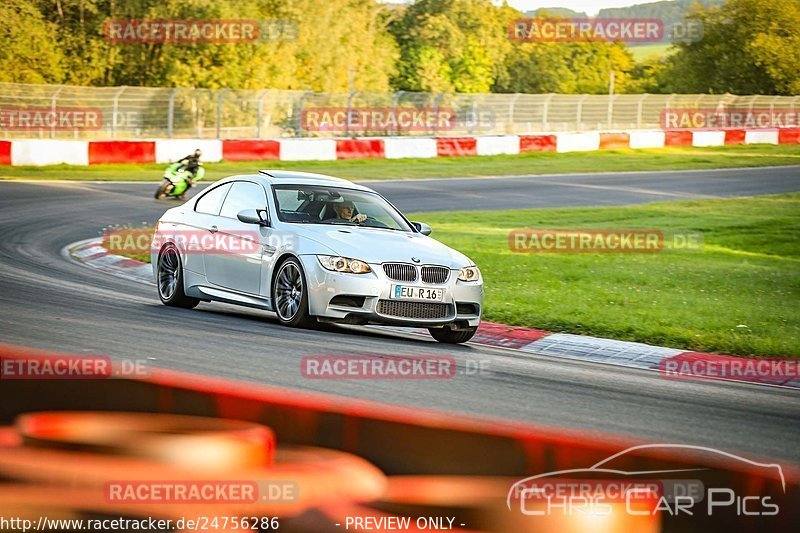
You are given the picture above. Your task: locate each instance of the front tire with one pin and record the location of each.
(162, 190)
(290, 295)
(170, 280)
(452, 336)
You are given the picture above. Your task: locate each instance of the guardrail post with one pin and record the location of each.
(395, 99)
(300, 112)
(196, 116)
(610, 112)
(436, 112)
(349, 106)
(545, 110)
(114, 111)
(53, 110)
(171, 112)
(219, 111)
(260, 112)
(639, 106)
(474, 120)
(752, 101)
(751, 104)
(511, 113)
(579, 112)
(667, 105)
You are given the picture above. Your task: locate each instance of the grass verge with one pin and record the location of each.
(739, 294)
(687, 158)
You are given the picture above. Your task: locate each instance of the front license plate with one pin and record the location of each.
(405, 292)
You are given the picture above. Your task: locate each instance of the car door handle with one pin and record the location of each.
(213, 229)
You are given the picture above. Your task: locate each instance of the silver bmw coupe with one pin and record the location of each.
(314, 248)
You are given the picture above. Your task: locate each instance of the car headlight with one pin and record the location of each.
(470, 273)
(343, 264)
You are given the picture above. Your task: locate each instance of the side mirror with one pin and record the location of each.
(422, 228)
(253, 216)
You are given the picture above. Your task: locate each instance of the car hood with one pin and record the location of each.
(382, 245)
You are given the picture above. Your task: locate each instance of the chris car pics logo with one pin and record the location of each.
(605, 488)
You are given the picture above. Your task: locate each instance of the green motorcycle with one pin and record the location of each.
(176, 181)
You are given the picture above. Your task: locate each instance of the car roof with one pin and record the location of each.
(291, 177)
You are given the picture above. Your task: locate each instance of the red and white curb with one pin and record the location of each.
(92, 254)
(41, 152)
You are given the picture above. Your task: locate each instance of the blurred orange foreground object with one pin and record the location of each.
(195, 442)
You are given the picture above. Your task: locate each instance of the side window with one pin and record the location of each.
(243, 195)
(289, 199)
(211, 201)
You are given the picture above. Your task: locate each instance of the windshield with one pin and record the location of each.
(316, 204)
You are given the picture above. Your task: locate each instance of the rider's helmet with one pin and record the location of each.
(197, 153)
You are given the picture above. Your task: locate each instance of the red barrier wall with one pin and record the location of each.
(122, 152)
(537, 143)
(251, 150)
(788, 135)
(614, 141)
(734, 136)
(5, 152)
(456, 146)
(678, 138)
(359, 149)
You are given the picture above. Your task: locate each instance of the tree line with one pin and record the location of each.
(748, 47)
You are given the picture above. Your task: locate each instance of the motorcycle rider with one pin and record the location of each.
(191, 163)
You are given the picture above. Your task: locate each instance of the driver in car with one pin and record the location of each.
(344, 211)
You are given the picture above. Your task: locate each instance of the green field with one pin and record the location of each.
(740, 294)
(650, 50)
(445, 167)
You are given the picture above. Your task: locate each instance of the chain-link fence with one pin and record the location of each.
(48, 111)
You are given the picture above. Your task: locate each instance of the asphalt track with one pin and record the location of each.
(51, 303)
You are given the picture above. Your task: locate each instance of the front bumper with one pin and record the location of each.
(370, 301)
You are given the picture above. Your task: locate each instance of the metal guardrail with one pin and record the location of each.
(147, 112)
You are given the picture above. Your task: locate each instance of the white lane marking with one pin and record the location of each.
(635, 190)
